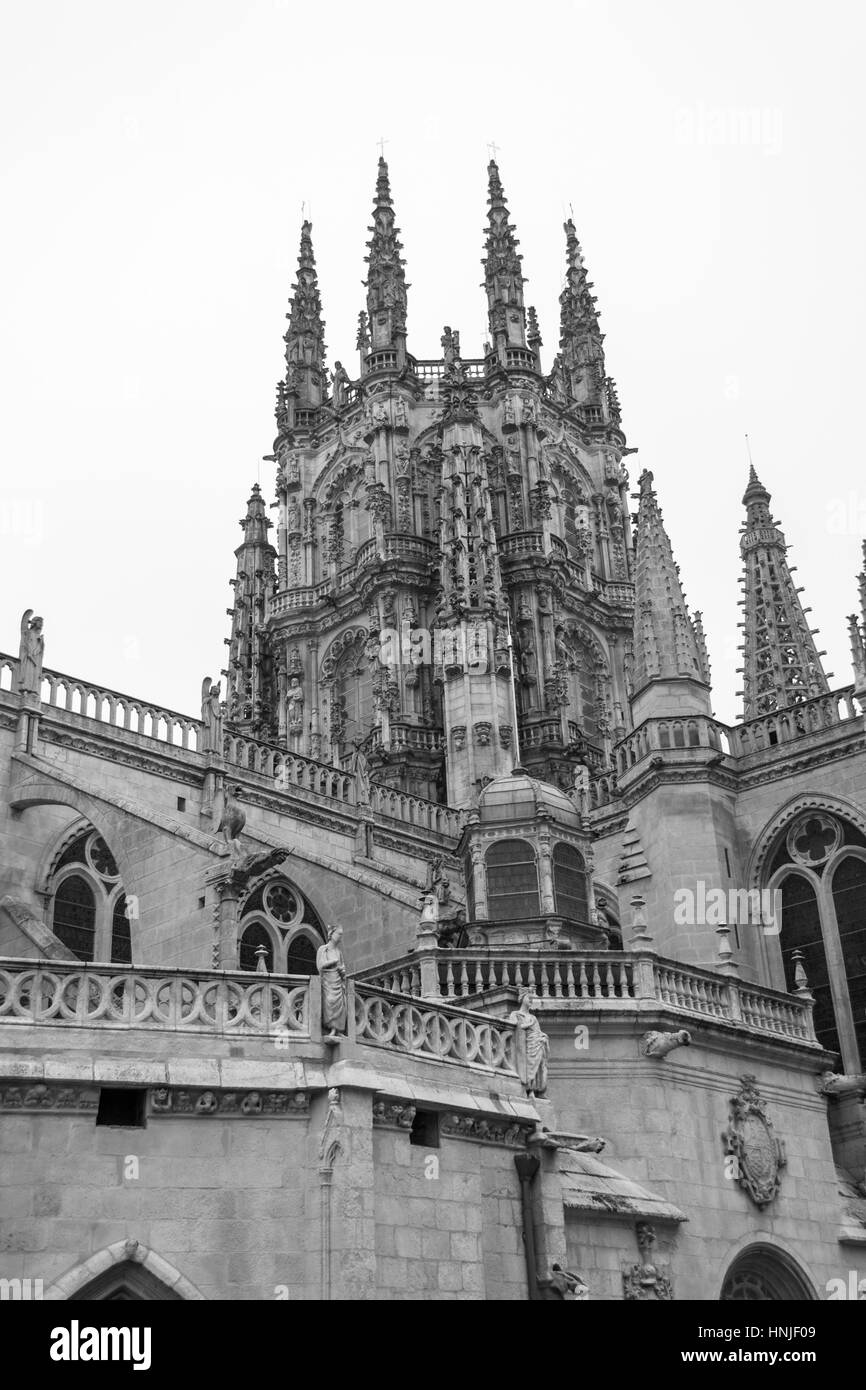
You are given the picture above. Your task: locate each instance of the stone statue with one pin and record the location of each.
(332, 973)
(30, 654)
(361, 770)
(536, 1046)
(429, 923)
(232, 820)
(295, 706)
(212, 711)
(401, 419)
(340, 387)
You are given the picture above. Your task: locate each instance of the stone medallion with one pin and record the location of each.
(750, 1139)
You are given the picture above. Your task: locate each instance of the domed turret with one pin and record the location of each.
(528, 861)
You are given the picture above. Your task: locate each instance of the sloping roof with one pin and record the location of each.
(591, 1186)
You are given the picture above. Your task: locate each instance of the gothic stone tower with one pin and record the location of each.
(454, 574)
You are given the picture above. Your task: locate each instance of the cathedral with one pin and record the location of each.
(454, 949)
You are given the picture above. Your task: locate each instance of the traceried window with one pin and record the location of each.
(512, 880)
(569, 883)
(819, 868)
(277, 917)
(89, 912)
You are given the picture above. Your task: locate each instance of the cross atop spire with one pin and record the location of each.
(386, 279)
(781, 665)
(503, 276)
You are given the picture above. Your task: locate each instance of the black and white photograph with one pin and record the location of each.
(432, 670)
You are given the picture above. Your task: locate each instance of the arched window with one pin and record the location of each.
(276, 915)
(89, 910)
(762, 1274)
(352, 700)
(73, 920)
(121, 936)
(801, 931)
(849, 900)
(512, 880)
(301, 956)
(254, 936)
(819, 867)
(569, 883)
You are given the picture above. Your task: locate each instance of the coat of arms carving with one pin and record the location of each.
(759, 1156)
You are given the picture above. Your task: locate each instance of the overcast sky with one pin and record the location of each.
(154, 161)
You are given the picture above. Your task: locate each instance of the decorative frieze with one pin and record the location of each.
(187, 1101)
(38, 1096)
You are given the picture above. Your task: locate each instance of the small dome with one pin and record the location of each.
(518, 797)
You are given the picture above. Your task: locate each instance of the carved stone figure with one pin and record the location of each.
(401, 419)
(295, 706)
(232, 820)
(30, 654)
(332, 974)
(659, 1044)
(536, 1046)
(565, 1285)
(361, 769)
(340, 387)
(645, 1280)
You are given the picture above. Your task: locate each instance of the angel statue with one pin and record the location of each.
(30, 654)
(232, 820)
(212, 711)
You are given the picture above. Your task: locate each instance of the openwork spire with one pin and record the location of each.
(857, 632)
(306, 379)
(667, 644)
(250, 694)
(503, 276)
(386, 279)
(781, 666)
(580, 338)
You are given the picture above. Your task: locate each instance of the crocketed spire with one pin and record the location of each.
(306, 379)
(386, 279)
(503, 276)
(781, 665)
(667, 645)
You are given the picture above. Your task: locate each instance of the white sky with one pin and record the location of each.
(154, 158)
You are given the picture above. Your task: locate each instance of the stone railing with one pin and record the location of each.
(287, 770)
(799, 721)
(8, 672)
(605, 979)
(395, 547)
(402, 736)
(125, 713)
(427, 815)
(668, 735)
(431, 369)
(87, 996)
(432, 1030)
(521, 543)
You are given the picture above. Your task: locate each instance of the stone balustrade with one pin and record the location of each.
(126, 712)
(799, 721)
(605, 979)
(217, 1002)
(287, 770)
(521, 543)
(412, 810)
(433, 1030)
